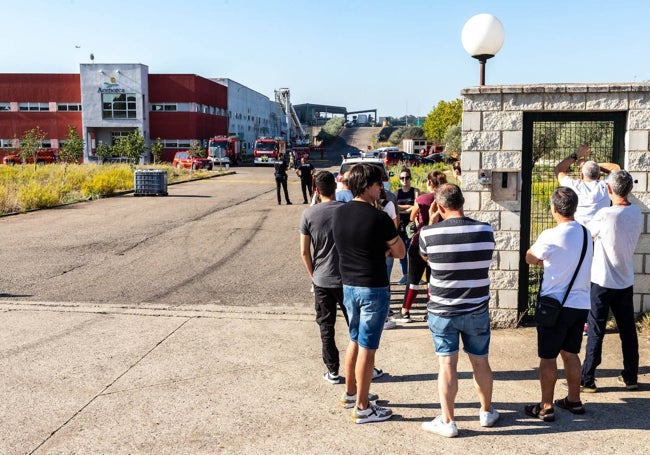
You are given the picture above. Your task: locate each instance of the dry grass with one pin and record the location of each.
(24, 188)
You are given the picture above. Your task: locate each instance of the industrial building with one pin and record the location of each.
(108, 100)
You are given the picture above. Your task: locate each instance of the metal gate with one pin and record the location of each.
(548, 138)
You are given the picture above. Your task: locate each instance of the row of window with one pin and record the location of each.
(187, 107)
(258, 120)
(115, 106)
(46, 144)
(41, 107)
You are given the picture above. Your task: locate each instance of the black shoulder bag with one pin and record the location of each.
(547, 309)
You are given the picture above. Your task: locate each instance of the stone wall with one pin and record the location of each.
(492, 139)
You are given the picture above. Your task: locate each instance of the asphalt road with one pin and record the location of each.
(218, 241)
(184, 325)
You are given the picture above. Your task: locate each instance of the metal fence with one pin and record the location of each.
(548, 139)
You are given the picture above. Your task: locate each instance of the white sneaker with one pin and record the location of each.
(488, 418)
(389, 324)
(437, 426)
(377, 373)
(332, 378)
(348, 401)
(374, 413)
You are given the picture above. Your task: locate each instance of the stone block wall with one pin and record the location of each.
(492, 139)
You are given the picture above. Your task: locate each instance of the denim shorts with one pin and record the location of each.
(367, 310)
(473, 328)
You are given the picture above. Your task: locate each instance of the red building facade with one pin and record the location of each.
(177, 108)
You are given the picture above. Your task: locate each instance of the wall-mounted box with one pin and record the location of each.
(505, 184)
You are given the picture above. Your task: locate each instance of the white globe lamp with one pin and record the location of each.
(482, 38)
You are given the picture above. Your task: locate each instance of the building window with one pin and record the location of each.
(33, 106)
(115, 135)
(5, 106)
(45, 144)
(176, 143)
(168, 107)
(6, 143)
(68, 107)
(118, 105)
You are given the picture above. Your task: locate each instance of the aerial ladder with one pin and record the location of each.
(282, 97)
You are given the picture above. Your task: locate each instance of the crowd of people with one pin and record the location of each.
(350, 238)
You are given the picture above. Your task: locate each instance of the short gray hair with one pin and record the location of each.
(565, 201)
(621, 182)
(449, 196)
(591, 170)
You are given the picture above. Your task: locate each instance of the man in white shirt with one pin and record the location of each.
(615, 231)
(592, 192)
(558, 251)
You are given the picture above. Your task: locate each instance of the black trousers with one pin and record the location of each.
(306, 186)
(281, 180)
(326, 301)
(620, 301)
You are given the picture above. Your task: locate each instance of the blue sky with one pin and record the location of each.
(397, 57)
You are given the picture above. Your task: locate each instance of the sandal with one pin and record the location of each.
(574, 407)
(535, 410)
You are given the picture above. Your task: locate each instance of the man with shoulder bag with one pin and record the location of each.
(566, 247)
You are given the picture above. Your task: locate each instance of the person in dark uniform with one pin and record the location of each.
(280, 171)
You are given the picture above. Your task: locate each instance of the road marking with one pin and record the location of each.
(252, 181)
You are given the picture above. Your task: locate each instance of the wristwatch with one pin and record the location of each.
(574, 156)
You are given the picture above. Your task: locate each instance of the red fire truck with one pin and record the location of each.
(267, 149)
(224, 150)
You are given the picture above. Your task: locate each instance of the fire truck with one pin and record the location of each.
(267, 149)
(224, 150)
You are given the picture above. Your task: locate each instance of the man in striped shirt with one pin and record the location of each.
(459, 252)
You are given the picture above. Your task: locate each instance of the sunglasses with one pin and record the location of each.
(404, 177)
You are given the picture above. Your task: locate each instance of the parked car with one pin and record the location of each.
(433, 158)
(392, 157)
(347, 164)
(412, 159)
(42, 157)
(184, 160)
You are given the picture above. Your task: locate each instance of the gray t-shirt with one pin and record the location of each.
(316, 222)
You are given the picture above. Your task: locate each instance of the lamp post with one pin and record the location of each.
(482, 37)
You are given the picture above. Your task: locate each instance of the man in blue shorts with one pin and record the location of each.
(364, 236)
(558, 250)
(459, 251)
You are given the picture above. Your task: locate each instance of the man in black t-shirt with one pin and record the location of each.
(364, 236)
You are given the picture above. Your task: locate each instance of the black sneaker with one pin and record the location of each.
(628, 385)
(404, 317)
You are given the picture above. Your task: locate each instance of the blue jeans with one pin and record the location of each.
(622, 306)
(473, 328)
(405, 261)
(367, 310)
